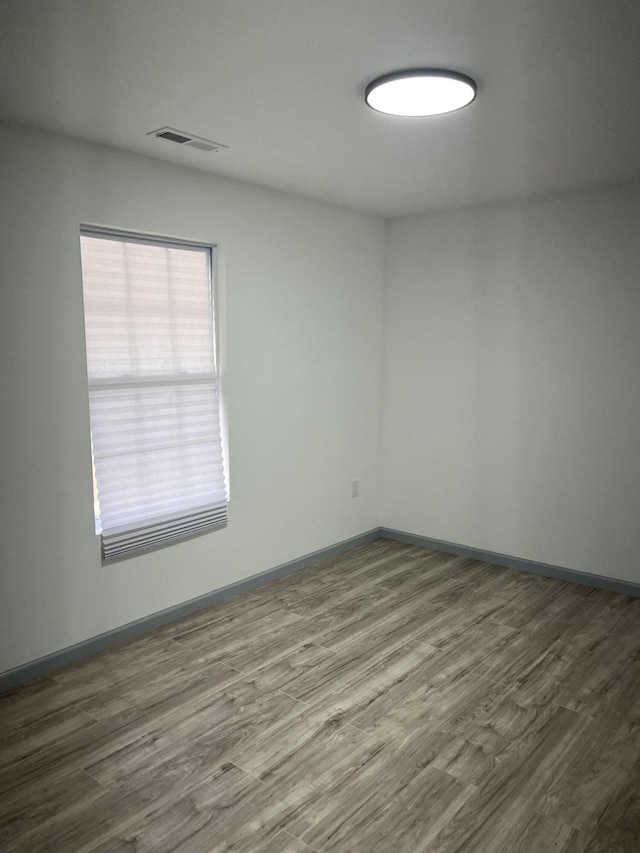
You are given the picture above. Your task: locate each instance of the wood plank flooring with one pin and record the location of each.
(391, 699)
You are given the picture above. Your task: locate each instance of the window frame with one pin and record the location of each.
(212, 250)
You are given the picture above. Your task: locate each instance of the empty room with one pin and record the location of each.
(320, 426)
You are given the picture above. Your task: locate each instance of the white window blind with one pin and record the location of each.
(153, 390)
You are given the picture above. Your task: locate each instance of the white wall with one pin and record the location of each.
(513, 380)
(301, 289)
(511, 396)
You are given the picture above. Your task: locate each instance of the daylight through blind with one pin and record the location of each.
(153, 390)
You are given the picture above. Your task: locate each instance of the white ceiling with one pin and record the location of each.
(281, 82)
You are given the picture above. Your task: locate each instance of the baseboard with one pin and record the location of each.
(124, 634)
(522, 565)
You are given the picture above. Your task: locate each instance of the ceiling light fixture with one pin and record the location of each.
(420, 92)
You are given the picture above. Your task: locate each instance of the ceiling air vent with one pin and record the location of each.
(189, 140)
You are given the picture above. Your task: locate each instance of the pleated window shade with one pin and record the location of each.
(153, 390)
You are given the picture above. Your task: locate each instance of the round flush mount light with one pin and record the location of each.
(420, 92)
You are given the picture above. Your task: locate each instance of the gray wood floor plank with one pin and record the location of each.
(348, 677)
(505, 800)
(91, 819)
(27, 703)
(232, 717)
(158, 683)
(227, 612)
(619, 828)
(523, 653)
(514, 828)
(596, 773)
(366, 559)
(231, 635)
(230, 811)
(401, 620)
(394, 802)
(388, 699)
(339, 597)
(64, 755)
(308, 747)
(29, 806)
(441, 694)
(115, 665)
(39, 734)
(282, 842)
(142, 713)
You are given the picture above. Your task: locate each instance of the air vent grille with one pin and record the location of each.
(189, 140)
(173, 137)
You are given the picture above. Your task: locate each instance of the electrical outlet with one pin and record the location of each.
(354, 488)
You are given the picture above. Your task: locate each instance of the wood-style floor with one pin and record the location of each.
(391, 699)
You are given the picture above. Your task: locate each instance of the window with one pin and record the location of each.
(153, 390)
